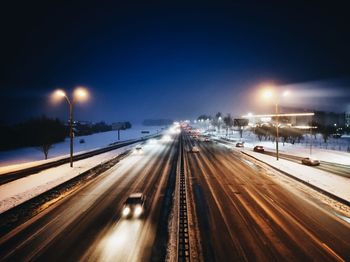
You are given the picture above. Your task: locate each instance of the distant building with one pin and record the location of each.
(330, 118)
(321, 117)
(347, 119)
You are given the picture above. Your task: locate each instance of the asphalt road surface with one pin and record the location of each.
(87, 224)
(245, 213)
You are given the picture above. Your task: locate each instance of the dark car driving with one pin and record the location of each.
(259, 149)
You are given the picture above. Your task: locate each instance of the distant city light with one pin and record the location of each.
(266, 119)
(272, 115)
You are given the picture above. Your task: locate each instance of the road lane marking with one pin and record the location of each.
(332, 252)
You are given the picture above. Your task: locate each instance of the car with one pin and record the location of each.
(134, 206)
(259, 149)
(138, 150)
(310, 161)
(240, 144)
(195, 149)
(207, 139)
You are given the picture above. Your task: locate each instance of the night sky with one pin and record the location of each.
(163, 60)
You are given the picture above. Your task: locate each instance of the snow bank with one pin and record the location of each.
(21, 190)
(336, 185)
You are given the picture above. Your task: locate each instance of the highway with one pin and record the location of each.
(243, 212)
(246, 214)
(87, 224)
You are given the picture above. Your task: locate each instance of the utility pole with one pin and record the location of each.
(277, 135)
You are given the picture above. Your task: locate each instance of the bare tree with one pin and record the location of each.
(228, 122)
(240, 123)
(45, 149)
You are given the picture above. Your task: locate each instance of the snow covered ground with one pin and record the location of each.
(336, 185)
(59, 150)
(18, 191)
(21, 190)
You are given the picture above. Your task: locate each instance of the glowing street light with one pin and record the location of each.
(269, 94)
(80, 94)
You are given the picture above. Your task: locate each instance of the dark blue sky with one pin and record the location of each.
(163, 60)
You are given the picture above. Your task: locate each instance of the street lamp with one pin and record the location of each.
(80, 94)
(268, 94)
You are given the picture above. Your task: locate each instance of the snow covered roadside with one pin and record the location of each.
(31, 156)
(21, 190)
(332, 156)
(333, 184)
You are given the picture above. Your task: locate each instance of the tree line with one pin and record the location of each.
(40, 132)
(43, 132)
(267, 131)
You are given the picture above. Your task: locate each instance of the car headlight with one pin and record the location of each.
(138, 211)
(126, 211)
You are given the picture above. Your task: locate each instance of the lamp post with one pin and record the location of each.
(277, 135)
(79, 94)
(269, 94)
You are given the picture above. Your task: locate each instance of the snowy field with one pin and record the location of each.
(59, 150)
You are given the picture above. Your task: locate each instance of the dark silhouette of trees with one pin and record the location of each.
(286, 134)
(240, 123)
(228, 120)
(217, 121)
(326, 131)
(44, 132)
(39, 132)
(204, 117)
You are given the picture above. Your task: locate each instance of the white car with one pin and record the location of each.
(195, 149)
(310, 162)
(134, 206)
